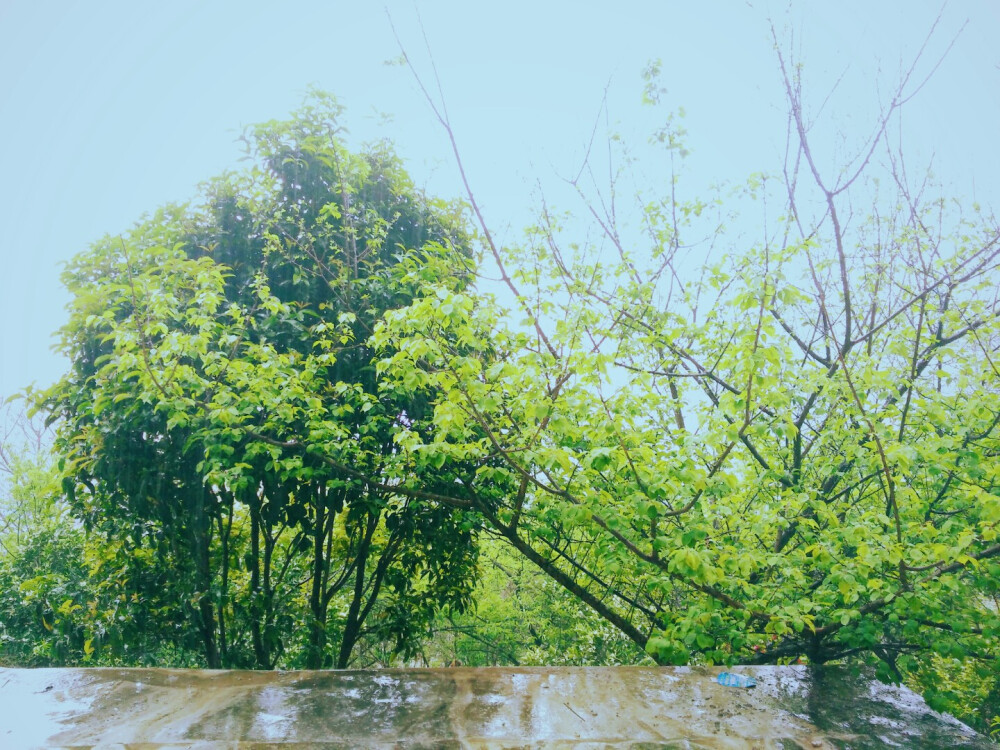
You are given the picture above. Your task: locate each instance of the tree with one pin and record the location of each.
(208, 343)
(788, 453)
(24, 452)
(41, 557)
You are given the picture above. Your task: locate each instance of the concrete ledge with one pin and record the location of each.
(580, 707)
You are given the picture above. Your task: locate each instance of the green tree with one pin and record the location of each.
(42, 572)
(788, 451)
(208, 343)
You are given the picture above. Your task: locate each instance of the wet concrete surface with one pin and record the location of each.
(585, 707)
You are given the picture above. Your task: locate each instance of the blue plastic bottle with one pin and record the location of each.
(736, 680)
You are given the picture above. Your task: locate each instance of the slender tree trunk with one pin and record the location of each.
(259, 651)
(316, 649)
(225, 527)
(206, 615)
(272, 641)
(200, 531)
(567, 582)
(352, 628)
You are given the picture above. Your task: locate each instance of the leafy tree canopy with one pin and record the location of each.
(739, 445)
(211, 345)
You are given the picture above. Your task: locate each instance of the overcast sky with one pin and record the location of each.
(109, 109)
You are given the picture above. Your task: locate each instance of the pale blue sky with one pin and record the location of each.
(109, 109)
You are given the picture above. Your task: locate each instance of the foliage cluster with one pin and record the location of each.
(205, 346)
(787, 453)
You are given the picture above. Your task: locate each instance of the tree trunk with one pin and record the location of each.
(560, 577)
(259, 650)
(316, 649)
(206, 627)
(352, 628)
(200, 531)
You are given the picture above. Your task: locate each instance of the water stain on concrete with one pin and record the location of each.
(584, 707)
